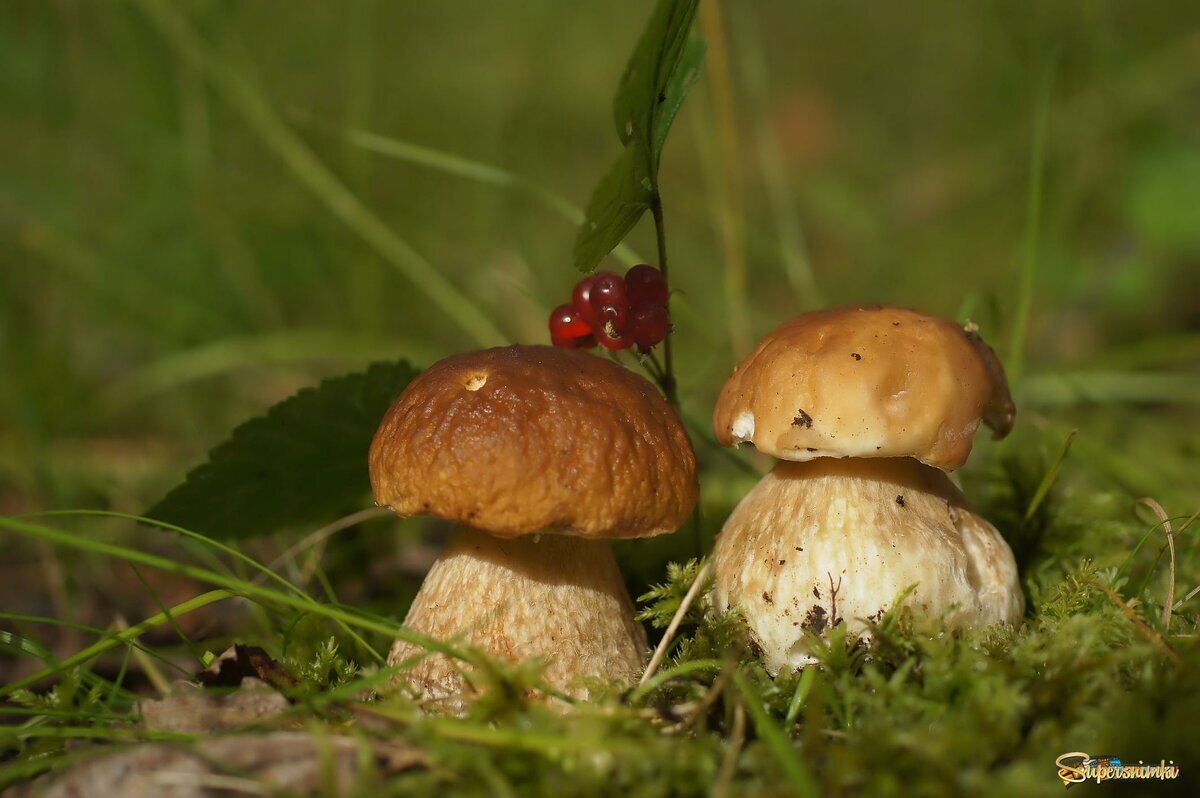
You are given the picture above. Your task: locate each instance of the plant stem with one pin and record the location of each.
(652, 359)
(667, 383)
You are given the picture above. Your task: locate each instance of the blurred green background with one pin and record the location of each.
(167, 272)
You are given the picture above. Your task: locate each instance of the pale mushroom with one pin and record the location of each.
(867, 407)
(541, 455)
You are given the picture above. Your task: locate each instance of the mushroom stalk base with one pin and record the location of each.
(551, 596)
(828, 542)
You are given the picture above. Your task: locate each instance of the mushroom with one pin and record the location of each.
(867, 408)
(540, 455)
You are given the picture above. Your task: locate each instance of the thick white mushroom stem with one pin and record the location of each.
(557, 597)
(832, 541)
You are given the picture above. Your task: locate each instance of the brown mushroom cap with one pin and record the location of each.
(866, 381)
(526, 439)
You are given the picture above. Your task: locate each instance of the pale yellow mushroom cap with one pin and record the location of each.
(866, 381)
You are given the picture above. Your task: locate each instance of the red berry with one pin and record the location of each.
(579, 342)
(581, 298)
(649, 324)
(617, 313)
(567, 328)
(610, 337)
(609, 289)
(645, 285)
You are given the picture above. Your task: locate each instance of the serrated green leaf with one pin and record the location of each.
(304, 462)
(617, 203)
(662, 69)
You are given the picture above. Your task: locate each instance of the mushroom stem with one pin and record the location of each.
(829, 541)
(553, 596)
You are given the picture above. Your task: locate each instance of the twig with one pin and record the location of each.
(1166, 524)
(1154, 636)
(1191, 594)
(673, 626)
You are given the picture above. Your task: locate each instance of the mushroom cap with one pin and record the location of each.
(525, 439)
(866, 381)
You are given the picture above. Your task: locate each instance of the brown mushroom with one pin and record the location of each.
(867, 407)
(540, 454)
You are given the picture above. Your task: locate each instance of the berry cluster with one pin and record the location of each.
(616, 312)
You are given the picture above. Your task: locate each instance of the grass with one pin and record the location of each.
(204, 210)
(1090, 668)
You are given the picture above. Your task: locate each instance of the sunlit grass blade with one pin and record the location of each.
(1104, 387)
(23, 645)
(171, 22)
(207, 541)
(785, 755)
(670, 674)
(116, 639)
(217, 545)
(803, 687)
(772, 168)
(289, 348)
(1159, 351)
(717, 125)
(476, 171)
(1033, 220)
(237, 586)
(84, 732)
(1043, 488)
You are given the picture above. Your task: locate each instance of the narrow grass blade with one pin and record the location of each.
(304, 165)
(290, 348)
(1043, 488)
(1033, 217)
(479, 172)
(210, 542)
(803, 688)
(793, 251)
(726, 176)
(802, 782)
(237, 586)
(118, 638)
(670, 674)
(1101, 387)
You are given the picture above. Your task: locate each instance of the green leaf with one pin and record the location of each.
(684, 76)
(304, 462)
(617, 204)
(651, 68)
(662, 69)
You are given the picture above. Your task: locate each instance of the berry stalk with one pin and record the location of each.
(667, 383)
